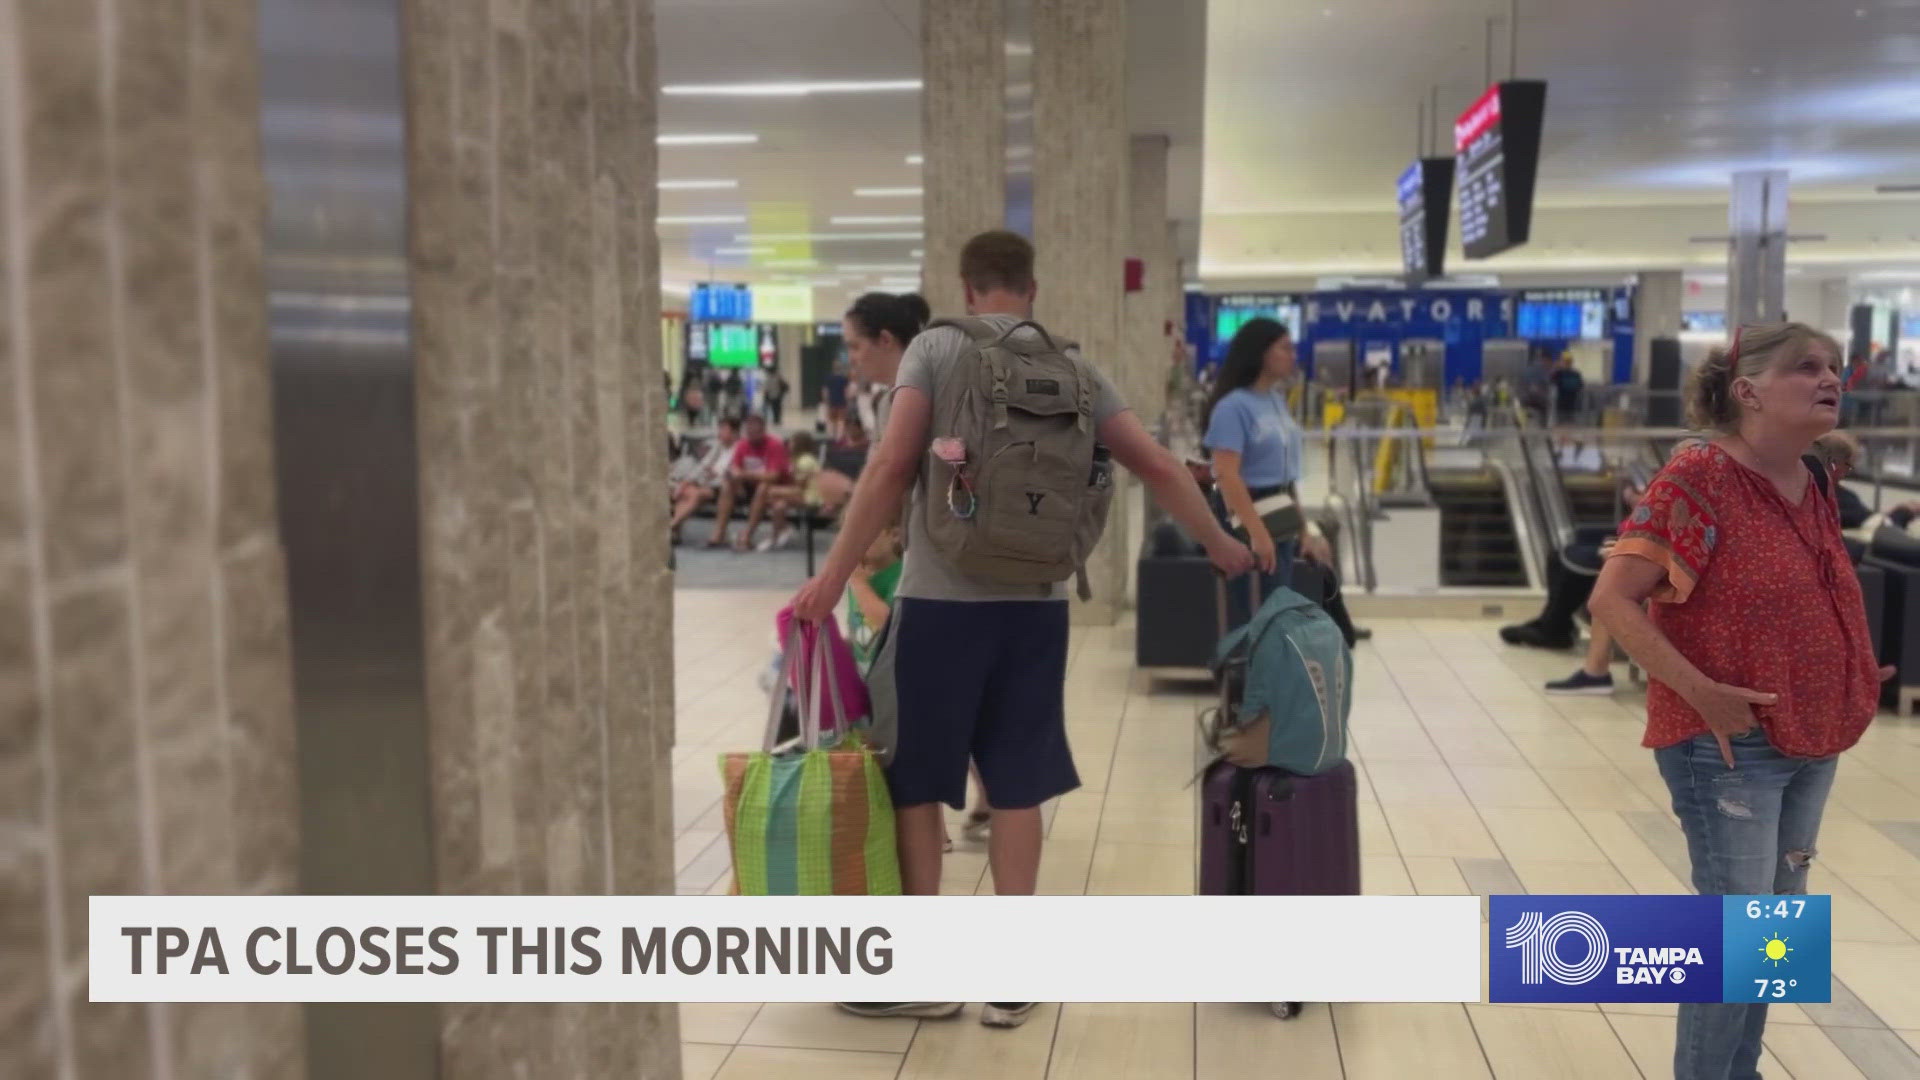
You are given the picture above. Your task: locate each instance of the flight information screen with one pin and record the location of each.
(1425, 189)
(1497, 144)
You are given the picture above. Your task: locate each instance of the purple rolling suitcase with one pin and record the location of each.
(1267, 832)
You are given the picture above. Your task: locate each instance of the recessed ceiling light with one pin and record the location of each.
(916, 159)
(713, 139)
(794, 236)
(698, 185)
(875, 219)
(790, 89)
(917, 253)
(888, 192)
(755, 249)
(701, 219)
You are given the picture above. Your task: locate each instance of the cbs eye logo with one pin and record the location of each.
(1538, 939)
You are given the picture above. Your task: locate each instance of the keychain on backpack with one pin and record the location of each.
(954, 453)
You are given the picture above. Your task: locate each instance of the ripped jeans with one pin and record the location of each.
(1750, 830)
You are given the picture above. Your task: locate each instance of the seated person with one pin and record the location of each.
(758, 459)
(701, 481)
(1568, 586)
(841, 465)
(1595, 675)
(801, 489)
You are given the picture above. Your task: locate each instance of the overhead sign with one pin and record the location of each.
(1497, 141)
(714, 301)
(1426, 189)
(783, 303)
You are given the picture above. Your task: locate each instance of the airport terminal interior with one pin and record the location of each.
(371, 374)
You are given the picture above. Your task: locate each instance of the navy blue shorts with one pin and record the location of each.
(985, 680)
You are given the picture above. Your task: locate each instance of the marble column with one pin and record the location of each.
(146, 731)
(1080, 167)
(962, 137)
(535, 280)
(1656, 313)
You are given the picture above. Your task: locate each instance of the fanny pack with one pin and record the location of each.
(1278, 511)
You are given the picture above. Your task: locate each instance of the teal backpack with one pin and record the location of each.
(1286, 686)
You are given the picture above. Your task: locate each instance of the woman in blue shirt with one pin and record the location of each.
(1257, 447)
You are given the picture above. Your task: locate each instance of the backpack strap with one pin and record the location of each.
(980, 330)
(986, 336)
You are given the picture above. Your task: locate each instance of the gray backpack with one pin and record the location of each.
(1029, 499)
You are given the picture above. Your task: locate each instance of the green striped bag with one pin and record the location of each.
(807, 819)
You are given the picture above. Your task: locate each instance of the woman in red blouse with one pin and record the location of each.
(1755, 644)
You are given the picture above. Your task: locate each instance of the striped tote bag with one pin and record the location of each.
(812, 817)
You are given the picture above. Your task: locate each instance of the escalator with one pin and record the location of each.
(1479, 544)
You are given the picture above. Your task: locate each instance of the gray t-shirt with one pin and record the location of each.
(926, 575)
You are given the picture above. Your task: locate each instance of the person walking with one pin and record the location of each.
(1755, 643)
(980, 665)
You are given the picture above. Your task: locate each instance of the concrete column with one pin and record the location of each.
(1757, 253)
(1149, 312)
(542, 443)
(1656, 313)
(1146, 347)
(962, 137)
(1080, 220)
(146, 723)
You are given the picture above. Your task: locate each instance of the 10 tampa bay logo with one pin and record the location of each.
(1605, 948)
(1539, 940)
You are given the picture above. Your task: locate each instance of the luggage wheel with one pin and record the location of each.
(1285, 1010)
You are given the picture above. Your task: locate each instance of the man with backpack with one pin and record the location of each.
(1004, 436)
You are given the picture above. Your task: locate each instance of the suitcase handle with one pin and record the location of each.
(1220, 596)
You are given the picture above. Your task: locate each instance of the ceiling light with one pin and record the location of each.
(791, 264)
(888, 192)
(701, 219)
(755, 249)
(798, 236)
(698, 185)
(916, 159)
(873, 219)
(706, 140)
(877, 268)
(917, 253)
(789, 89)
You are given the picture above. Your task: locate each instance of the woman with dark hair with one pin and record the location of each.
(876, 329)
(1257, 449)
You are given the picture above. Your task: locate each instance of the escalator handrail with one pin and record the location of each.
(1528, 543)
(1546, 542)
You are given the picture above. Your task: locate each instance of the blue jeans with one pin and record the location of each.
(1750, 829)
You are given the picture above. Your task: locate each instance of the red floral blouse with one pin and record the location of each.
(1759, 594)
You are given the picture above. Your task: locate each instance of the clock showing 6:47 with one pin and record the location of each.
(1777, 948)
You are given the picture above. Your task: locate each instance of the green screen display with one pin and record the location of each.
(733, 345)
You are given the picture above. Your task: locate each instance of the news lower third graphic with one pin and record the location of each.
(1730, 949)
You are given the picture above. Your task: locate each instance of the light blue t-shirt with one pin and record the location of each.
(1258, 427)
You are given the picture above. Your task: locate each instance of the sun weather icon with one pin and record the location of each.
(1775, 949)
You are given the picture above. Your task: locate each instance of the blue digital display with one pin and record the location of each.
(716, 302)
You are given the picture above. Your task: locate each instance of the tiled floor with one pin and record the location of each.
(1472, 781)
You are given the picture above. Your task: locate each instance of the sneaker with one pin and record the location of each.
(979, 824)
(1582, 683)
(1534, 636)
(1004, 1015)
(925, 1010)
